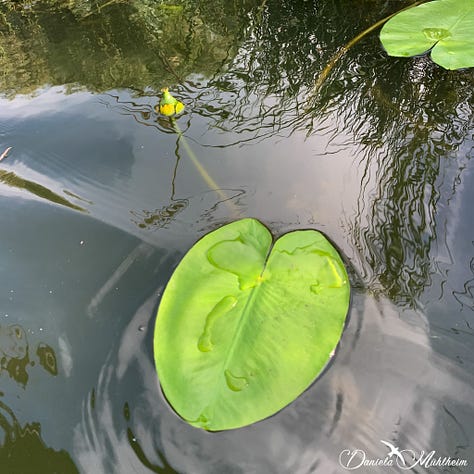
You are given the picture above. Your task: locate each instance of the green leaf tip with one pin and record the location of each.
(446, 27)
(246, 324)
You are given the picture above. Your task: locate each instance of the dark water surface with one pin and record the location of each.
(100, 200)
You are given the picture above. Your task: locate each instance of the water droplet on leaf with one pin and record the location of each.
(222, 307)
(236, 384)
(436, 34)
(315, 288)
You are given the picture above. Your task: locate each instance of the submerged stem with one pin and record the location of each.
(202, 171)
(344, 49)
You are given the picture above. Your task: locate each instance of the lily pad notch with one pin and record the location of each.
(444, 27)
(245, 324)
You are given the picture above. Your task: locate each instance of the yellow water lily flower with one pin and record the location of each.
(168, 105)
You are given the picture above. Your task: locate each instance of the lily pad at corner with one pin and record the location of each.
(447, 26)
(246, 324)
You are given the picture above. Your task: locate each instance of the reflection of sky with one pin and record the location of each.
(385, 383)
(122, 166)
(75, 143)
(387, 375)
(451, 295)
(43, 101)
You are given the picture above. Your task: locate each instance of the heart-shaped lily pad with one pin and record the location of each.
(245, 326)
(446, 26)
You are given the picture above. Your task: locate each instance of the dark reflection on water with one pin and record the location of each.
(11, 179)
(379, 159)
(415, 161)
(140, 45)
(23, 451)
(159, 217)
(14, 352)
(15, 356)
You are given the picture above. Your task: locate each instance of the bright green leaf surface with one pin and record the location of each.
(447, 26)
(245, 327)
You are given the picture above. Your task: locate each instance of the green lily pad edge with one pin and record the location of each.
(246, 324)
(446, 27)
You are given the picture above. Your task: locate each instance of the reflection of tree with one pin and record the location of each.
(22, 450)
(408, 133)
(405, 117)
(140, 45)
(288, 44)
(15, 357)
(14, 353)
(465, 296)
(13, 180)
(47, 358)
(396, 235)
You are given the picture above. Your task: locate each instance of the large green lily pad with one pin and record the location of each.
(446, 26)
(245, 326)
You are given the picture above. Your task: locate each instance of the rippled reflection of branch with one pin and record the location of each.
(396, 220)
(233, 195)
(466, 297)
(141, 113)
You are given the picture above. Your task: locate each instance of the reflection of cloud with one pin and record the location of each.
(65, 355)
(44, 101)
(385, 383)
(453, 256)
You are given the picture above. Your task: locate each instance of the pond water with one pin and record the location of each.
(100, 199)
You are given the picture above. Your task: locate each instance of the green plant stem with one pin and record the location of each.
(202, 171)
(344, 49)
